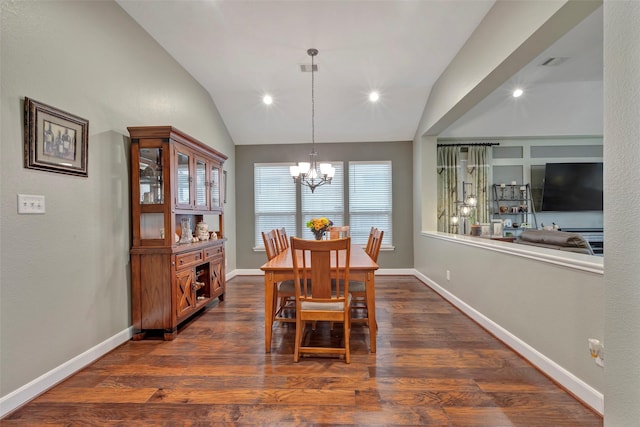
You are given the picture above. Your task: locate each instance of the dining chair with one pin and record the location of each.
(271, 246)
(283, 239)
(358, 288)
(319, 300)
(284, 300)
(338, 231)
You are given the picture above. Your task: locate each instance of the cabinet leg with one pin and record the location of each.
(170, 334)
(138, 335)
(221, 297)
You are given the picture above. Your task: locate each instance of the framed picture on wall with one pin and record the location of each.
(54, 140)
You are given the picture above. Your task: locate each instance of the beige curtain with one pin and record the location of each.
(478, 171)
(448, 158)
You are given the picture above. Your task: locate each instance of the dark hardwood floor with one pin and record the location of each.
(434, 367)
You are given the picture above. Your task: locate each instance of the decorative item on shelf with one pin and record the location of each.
(214, 235)
(497, 228)
(311, 173)
(202, 231)
(319, 226)
(197, 285)
(185, 236)
(476, 230)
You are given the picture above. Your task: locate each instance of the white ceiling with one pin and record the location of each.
(241, 50)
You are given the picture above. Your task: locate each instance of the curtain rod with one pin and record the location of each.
(488, 144)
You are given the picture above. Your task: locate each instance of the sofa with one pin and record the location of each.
(552, 239)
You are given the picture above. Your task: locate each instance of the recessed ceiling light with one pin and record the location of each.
(517, 93)
(267, 99)
(374, 96)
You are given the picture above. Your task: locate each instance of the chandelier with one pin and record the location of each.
(311, 173)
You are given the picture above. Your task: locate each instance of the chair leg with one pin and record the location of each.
(300, 326)
(347, 336)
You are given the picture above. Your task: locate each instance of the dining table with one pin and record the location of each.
(361, 268)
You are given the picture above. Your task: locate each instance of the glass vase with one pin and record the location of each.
(186, 236)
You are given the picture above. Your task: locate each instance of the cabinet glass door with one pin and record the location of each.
(201, 184)
(183, 180)
(216, 199)
(151, 186)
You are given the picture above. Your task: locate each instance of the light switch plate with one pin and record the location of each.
(30, 204)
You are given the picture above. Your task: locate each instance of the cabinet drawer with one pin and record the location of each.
(213, 252)
(188, 259)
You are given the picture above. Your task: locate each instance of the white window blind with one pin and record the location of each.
(275, 199)
(370, 200)
(327, 201)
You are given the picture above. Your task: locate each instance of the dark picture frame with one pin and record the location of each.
(54, 140)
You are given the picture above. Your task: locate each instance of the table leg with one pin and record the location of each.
(371, 309)
(268, 309)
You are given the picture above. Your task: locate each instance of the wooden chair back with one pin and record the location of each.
(271, 245)
(323, 265)
(283, 240)
(374, 243)
(338, 232)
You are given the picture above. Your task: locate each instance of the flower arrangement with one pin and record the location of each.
(318, 226)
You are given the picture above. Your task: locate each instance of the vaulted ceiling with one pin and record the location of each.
(241, 50)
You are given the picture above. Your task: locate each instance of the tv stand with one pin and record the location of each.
(595, 237)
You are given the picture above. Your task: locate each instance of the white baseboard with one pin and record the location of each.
(31, 390)
(575, 385)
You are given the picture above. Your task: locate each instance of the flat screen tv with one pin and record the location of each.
(572, 187)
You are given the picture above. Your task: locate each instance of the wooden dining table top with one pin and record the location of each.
(359, 261)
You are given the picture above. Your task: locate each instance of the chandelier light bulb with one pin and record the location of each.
(304, 167)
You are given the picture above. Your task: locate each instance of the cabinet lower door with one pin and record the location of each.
(216, 268)
(185, 297)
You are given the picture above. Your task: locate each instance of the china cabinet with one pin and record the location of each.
(176, 188)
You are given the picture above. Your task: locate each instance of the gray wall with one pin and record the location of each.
(621, 199)
(65, 275)
(400, 153)
(496, 284)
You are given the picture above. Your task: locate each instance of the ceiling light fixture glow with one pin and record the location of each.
(374, 96)
(518, 93)
(267, 99)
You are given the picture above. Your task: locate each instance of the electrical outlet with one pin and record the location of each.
(30, 204)
(448, 275)
(596, 349)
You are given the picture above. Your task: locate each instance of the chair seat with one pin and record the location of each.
(286, 286)
(356, 286)
(326, 306)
